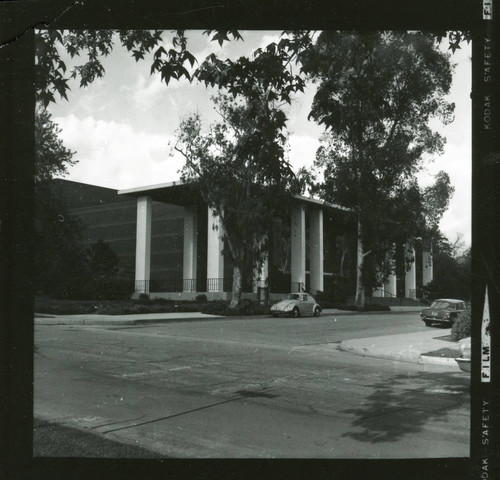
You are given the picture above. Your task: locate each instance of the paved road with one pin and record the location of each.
(257, 387)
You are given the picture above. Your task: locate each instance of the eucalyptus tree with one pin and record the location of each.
(376, 94)
(240, 164)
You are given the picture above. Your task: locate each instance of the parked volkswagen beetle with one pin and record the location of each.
(296, 304)
(443, 311)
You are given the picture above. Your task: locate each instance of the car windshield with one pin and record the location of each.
(293, 296)
(442, 304)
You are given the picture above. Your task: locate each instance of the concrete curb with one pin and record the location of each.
(405, 356)
(408, 348)
(428, 360)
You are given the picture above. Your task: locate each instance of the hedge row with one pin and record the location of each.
(246, 307)
(461, 326)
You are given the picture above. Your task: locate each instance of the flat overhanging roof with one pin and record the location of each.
(176, 193)
(179, 193)
(323, 203)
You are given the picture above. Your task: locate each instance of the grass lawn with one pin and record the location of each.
(54, 440)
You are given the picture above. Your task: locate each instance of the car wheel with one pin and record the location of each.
(295, 313)
(317, 311)
(427, 323)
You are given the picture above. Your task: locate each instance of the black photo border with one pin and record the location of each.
(18, 19)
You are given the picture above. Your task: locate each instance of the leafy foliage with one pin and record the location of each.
(101, 259)
(455, 38)
(239, 167)
(245, 152)
(451, 273)
(462, 326)
(376, 93)
(246, 307)
(172, 63)
(435, 200)
(52, 157)
(92, 45)
(57, 255)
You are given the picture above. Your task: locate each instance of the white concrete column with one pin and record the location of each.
(215, 259)
(427, 266)
(411, 273)
(189, 266)
(390, 286)
(378, 293)
(316, 250)
(143, 244)
(260, 275)
(298, 250)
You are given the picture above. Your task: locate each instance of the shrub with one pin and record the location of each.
(461, 327)
(246, 307)
(325, 300)
(66, 309)
(374, 307)
(216, 307)
(367, 308)
(201, 298)
(143, 296)
(113, 288)
(102, 288)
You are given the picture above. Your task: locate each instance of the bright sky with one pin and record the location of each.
(123, 125)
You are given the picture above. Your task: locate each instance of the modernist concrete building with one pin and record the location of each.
(315, 252)
(309, 253)
(165, 238)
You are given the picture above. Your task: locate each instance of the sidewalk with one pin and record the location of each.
(119, 320)
(409, 347)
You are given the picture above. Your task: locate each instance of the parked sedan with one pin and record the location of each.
(296, 304)
(443, 311)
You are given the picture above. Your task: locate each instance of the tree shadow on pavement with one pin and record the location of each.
(405, 404)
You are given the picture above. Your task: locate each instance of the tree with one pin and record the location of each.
(239, 169)
(240, 164)
(435, 200)
(52, 157)
(57, 255)
(102, 260)
(451, 271)
(51, 70)
(376, 93)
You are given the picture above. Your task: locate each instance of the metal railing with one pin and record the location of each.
(387, 294)
(219, 284)
(189, 284)
(142, 286)
(166, 285)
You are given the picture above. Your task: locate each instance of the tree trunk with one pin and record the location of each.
(236, 298)
(360, 288)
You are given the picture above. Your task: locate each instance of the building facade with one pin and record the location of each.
(165, 237)
(315, 251)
